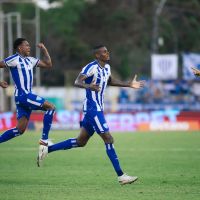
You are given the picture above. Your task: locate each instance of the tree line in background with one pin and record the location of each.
(125, 27)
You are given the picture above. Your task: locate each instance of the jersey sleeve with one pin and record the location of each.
(34, 61)
(88, 70)
(11, 61)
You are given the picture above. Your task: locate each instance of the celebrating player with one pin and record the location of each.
(94, 77)
(195, 71)
(21, 67)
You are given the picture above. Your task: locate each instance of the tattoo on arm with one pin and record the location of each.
(79, 82)
(115, 82)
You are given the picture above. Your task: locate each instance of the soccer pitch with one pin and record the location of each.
(167, 164)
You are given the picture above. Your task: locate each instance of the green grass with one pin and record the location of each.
(167, 164)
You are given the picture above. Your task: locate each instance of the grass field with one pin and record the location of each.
(167, 164)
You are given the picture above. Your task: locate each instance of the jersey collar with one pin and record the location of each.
(99, 65)
(20, 55)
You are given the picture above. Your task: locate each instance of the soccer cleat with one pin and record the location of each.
(43, 152)
(125, 179)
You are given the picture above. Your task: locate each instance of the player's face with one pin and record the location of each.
(25, 48)
(103, 54)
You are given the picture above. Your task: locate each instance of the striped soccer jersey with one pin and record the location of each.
(21, 69)
(98, 75)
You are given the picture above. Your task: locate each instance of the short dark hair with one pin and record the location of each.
(97, 47)
(18, 42)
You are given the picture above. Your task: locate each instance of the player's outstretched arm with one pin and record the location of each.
(79, 82)
(132, 84)
(46, 61)
(3, 84)
(136, 84)
(195, 71)
(2, 64)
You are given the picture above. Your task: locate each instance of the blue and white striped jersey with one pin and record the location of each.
(21, 69)
(98, 75)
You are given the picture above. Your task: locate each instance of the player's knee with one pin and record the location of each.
(81, 143)
(112, 140)
(108, 139)
(21, 129)
(53, 107)
(49, 106)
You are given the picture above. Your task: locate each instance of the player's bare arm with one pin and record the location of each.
(132, 84)
(46, 61)
(195, 71)
(79, 82)
(2, 64)
(3, 84)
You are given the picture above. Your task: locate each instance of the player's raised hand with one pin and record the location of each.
(41, 46)
(137, 84)
(195, 71)
(3, 84)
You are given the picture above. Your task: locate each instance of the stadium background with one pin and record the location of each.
(156, 129)
(158, 40)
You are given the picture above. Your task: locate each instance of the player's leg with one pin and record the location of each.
(70, 143)
(80, 141)
(23, 115)
(47, 121)
(110, 150)
(14, 132)
(108, 140)
(35, 102)
(102, 129)
(85, 133)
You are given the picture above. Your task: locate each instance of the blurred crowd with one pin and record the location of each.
(178, 92)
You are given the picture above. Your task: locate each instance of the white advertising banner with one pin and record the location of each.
(164, 67)
(190, 60)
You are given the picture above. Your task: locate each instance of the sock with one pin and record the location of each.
(47, 121)
(9, 134)
(67, 144)
(113, 158)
